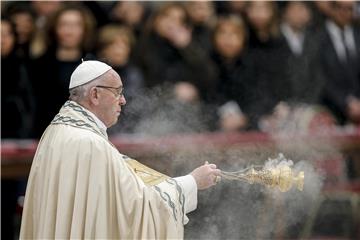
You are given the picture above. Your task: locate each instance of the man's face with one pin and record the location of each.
(297, 15)
(110, 99)
(343, 12)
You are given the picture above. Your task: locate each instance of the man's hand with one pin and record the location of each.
(206, 175)
(353, 109)
(186, 92)
(180, 36)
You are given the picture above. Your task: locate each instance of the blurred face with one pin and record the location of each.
(110, 102)
(343, 12)
(297, 15)
(229, 40)
(169, 21)
(46, 8)
(7, 38)
(70, 29)
(199, 11)
(24, 26)
(260, 14)
(117, 53)
(130, 12)
(237, 6)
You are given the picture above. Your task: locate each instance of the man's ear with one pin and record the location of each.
(94, 96)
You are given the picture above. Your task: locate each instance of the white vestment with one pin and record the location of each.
(80, 186)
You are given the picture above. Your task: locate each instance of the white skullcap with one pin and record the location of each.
(86, 72)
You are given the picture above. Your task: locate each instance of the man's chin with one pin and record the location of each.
(116, 119)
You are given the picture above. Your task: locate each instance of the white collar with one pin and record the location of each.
(98, 122)
(294, 39)
(335, 35)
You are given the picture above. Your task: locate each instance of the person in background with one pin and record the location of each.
(130, 13)
(229, 40)
(80, 186)
(303, 46)
(24, 18)
(99, 9)
(262, 18)
(231, 8)
(17, 110)
(203, 18)
(114, 46)
(179, 74)
(340, 63)
(44, 10)
(340, 66)
(169, 55)
(70, 38)
(323, 11)
(269, 84)
(17, 97)
(302, 112)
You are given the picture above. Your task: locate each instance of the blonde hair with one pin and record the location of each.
(108, 33)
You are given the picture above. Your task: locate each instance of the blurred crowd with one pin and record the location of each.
(186, 66)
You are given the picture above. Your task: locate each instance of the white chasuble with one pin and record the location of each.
(81, 187)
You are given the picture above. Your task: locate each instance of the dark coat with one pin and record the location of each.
(268, 84)
(233, 80)
(17, 99)
(304, 76)
(51, 78)
(342, 79)
(164, 63)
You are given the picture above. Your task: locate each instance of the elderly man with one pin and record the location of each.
(80, 186)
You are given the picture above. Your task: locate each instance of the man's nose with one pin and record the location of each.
(122, 100)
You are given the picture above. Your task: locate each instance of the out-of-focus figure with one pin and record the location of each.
(340, 63)
(130, 13)
(202, 17)
(17, 99)
(268, 52)
(231, 7)
(303, 45)
(17, 111)
(169, 54)
(70, 38)
(322, 11)
(24, 18)
(229, 40)
(44, 10)
(178, 72)
(263, 22)
(114, 46)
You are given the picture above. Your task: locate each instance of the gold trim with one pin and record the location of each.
(149, 176)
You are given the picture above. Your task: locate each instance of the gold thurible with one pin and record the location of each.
(281, 177)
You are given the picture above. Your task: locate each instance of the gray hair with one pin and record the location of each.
(78, 94)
